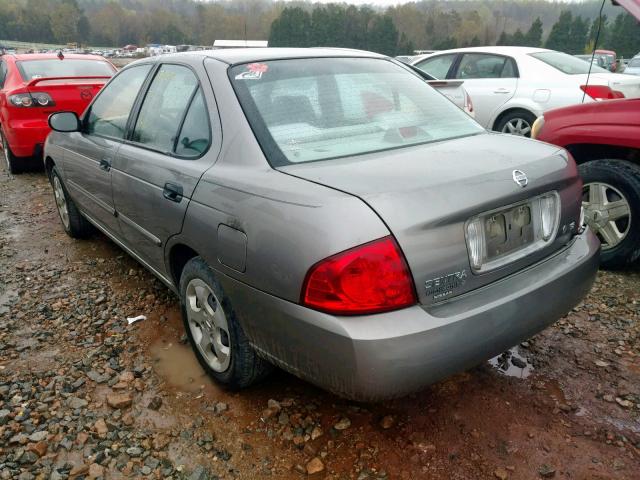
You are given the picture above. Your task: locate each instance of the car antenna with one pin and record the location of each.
(60, 55)
(593, 53)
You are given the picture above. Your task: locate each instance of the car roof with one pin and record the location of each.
(21, 57)
(243, 55)
(501, 50)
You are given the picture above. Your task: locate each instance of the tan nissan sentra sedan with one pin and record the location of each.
(325, 211)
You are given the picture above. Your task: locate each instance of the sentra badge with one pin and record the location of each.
(443, 286)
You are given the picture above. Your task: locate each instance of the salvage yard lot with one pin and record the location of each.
(82, 393)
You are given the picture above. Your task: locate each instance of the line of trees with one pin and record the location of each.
(425, 24)
(366, 29)
(573, 34)
(338, 26)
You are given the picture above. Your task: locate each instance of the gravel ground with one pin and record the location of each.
(85, 395)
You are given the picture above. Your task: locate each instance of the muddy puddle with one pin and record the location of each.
(177, 365)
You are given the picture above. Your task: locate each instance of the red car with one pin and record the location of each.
(604, 139)
(33, 86)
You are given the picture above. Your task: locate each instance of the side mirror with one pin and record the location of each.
(64, 122)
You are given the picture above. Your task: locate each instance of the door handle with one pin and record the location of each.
(502, 90)
(105, 164)
(172, 192)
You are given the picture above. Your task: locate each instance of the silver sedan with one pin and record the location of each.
(325, 212)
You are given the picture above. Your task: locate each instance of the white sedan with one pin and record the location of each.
(512, 86)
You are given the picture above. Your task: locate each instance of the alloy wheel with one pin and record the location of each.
(208, 325)
(607, 212)
(61, 201)
(517, 126)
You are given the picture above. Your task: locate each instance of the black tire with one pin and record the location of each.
(77, 226)
(15, 165)
(515, 115)
(245, 366)
(624, 176)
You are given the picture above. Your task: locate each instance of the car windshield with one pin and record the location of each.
(304, 110)
(566, 63)
(635, 62)
(30, 69)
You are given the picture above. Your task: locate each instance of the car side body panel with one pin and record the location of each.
(142, 178)
(289, 224)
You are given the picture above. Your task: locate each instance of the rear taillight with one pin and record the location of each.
(601, 92)
(35, 99)
(371, 278)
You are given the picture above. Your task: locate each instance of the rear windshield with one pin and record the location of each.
(567, 63)
(304, 110)
(635, 62)
(30, 69)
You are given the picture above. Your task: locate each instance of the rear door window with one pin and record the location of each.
(481, 65)
(195, 134)
(109, 114)
(164, 107)
(437, 66)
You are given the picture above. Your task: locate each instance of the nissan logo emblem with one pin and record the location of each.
(520, 178)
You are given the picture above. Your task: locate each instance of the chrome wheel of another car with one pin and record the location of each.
(208, 325)
(517, 126)
(607, 212)
(61, 202)
(515, 122)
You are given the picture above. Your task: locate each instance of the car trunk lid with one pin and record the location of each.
(629, 85)
(68, 93)
(426, 194)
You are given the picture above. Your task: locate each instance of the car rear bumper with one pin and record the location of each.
(26, 137)
(387, 355)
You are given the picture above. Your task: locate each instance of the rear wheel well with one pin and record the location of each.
(507, 112)
(585, 152)
(178, 257)
(48, 166)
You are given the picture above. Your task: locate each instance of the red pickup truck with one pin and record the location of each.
(604, 139)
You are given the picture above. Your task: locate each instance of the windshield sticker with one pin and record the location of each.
(254, 72)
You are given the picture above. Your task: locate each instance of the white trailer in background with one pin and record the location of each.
(240, 44)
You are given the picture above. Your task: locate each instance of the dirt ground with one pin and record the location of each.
(85, 395)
